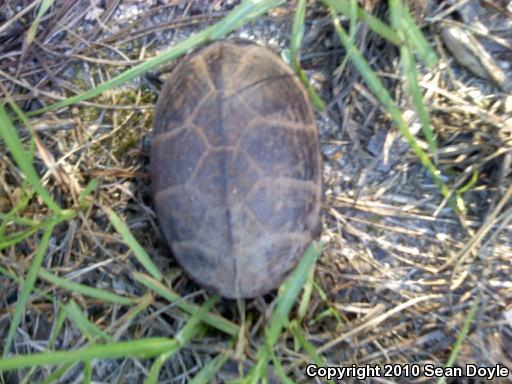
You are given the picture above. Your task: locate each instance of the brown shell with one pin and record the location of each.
(236, 168)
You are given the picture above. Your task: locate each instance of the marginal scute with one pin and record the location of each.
(175, 203)
(267, 250)
(306, 144)
(202, 266)
(284, 248)
(281, 206)
(216, 232)
(236, 168)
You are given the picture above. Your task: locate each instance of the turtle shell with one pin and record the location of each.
(236, 168)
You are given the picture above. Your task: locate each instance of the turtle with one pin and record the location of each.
(236, 168)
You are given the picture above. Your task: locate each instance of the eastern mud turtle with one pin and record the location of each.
(236, 168)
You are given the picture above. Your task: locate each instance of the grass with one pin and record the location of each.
(149, 293)
(13, 142)
(84, 290)
(383, 96)
(287, 296)
(143, 348)
(138, 251)
(295, 43)
(242, 14)
(215, 321)
(460, 338)
(27, 287)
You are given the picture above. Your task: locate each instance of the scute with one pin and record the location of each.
(200, 265)
(173, 108)
(175, 156)
(241, 118)
(215, 231)
(180, 206)
(282, 206)
(276, 257)
(210, 178)
(279, 152)
(277, 98)
(208, 119)
(241, 168)
(236, 168)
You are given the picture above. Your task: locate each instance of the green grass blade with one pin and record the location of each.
(88, 329)
(207, 373)
(213, 320)
(308, 347)
(58, 373)
(190, 329)
(87, 372)
(53, 336)
(25, 120)
(187, 333)
(353, 20)
(5, 242)
(28, 377)
(287, 296)
(21, 115)
(11, 138)
(143, 303)
(414, 90)
(36, 292)
(462, 335)
(9, 274)
(395, 15)
(84, 289)
(57, 326)
(43, 8)
(89, 188)
(17, 238)
(27, 287)
(397, 12)
(290, 290)
(297, 31)
(472, 181)
(418, 41)
(249, 9)
(380, 91)
(316, 100)
(296, 39)
(306, 297)
(142, 348)
(137, 249)
(375, 24)
(175, 52)
(279, 369)
(409, 32)
(7, 218)
(159, 362)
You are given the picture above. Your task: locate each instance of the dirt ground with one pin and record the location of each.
(400, 269)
